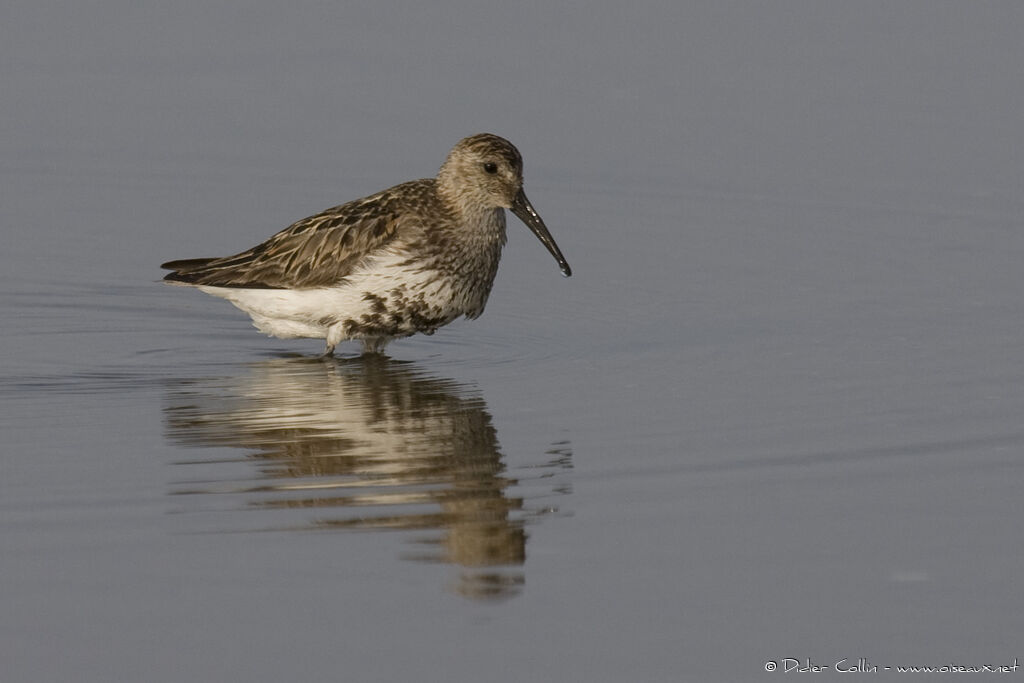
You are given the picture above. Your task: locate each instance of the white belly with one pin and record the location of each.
(287, 313)
(359, 307)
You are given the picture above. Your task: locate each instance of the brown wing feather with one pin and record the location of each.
(317, 251)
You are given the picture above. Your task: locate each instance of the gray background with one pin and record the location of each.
(775, 412)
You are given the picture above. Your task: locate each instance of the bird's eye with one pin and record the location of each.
(491, 167)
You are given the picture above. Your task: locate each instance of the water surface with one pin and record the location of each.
(775, 413)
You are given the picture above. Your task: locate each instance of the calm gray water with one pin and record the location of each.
(775, 413)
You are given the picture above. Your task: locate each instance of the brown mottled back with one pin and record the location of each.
(318, 251)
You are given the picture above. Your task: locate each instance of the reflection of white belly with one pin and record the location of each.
(288, 313)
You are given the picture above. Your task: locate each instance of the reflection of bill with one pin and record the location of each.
(377, 443)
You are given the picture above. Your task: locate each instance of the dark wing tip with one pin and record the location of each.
(196, 272)
(188, 270)
(176, 276)
(186, 264)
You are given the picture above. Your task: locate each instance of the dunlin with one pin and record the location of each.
(409, 259)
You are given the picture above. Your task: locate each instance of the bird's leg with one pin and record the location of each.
(374, 344)
(335, 335)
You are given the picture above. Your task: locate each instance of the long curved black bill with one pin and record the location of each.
(525, 212)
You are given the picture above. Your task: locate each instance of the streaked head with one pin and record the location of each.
(485, 172)
(482, 172)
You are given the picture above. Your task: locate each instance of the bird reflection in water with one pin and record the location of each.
(372, 443)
